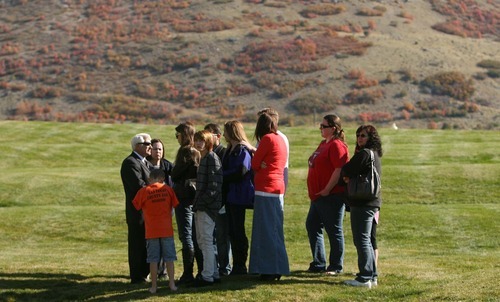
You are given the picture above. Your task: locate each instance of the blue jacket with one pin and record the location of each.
(238, 188)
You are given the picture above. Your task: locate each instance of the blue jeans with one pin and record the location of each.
(361, 224)
(184, 218)
(187, 232)
(326, 212)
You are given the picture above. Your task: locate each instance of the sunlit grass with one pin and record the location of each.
(64, 233)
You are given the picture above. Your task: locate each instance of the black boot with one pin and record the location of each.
(198, 255)
(239, 262)
(187, 262)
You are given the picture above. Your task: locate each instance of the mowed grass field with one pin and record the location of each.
(63, 231)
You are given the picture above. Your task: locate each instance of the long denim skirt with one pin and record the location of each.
(267, 252)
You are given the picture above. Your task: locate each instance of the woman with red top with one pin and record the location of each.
(268, 255)
(327, 205)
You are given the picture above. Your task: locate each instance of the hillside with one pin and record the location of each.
(429, 63)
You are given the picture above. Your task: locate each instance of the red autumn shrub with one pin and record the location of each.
(467, 18)
(363, 82)
(375, 117)
(363, 96)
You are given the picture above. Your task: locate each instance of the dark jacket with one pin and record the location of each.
(167, 167)
(220, 150)
(134, 174)
(238, 187)
(209, 186)
(360, 164)
(184, 176)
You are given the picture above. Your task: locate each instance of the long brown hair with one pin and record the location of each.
(265, 124)
(186, 151)
(186, 130)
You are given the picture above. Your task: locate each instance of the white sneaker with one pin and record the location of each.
(359, 284)
(374, 283)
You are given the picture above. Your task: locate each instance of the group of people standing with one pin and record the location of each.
(210, 187)
(214, 186)
(329, 171)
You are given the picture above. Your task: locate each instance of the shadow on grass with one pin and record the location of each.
(66, 287)
(75, 287)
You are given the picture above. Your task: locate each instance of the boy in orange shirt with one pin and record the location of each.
(156, 202)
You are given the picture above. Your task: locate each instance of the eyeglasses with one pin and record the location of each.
(145, 144)
(325, 126)
(361, 135)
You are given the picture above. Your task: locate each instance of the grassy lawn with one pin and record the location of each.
(62, 219)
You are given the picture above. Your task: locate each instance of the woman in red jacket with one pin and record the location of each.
(268, 255)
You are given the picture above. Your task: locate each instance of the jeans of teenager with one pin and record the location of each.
(222, 242)
(187, 234)
(361, 225)
(326, 212)
(238, 237)
(184, 218)
(205, 238)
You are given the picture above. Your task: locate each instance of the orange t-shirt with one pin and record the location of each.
(156, 202)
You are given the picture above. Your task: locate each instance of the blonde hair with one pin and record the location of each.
(234, 131)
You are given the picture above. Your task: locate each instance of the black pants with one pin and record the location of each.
(137, 254)
(237, 235)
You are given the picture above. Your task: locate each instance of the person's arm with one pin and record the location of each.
(202, 178)
(167, 167)
(249, 146)
(258, 157)
(137, 202)
(334, 179)
(179, 170)
(131, 173)
(210, 182)
(214, 177)
(357, 165)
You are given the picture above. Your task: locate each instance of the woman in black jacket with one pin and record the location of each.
(363, 211)
(184, 179)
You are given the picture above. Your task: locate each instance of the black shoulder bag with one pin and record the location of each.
(365, 187)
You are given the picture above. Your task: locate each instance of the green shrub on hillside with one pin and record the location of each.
(312, 103)
(493, 73)
(451, 83)
(489, 64)
(324, 9)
